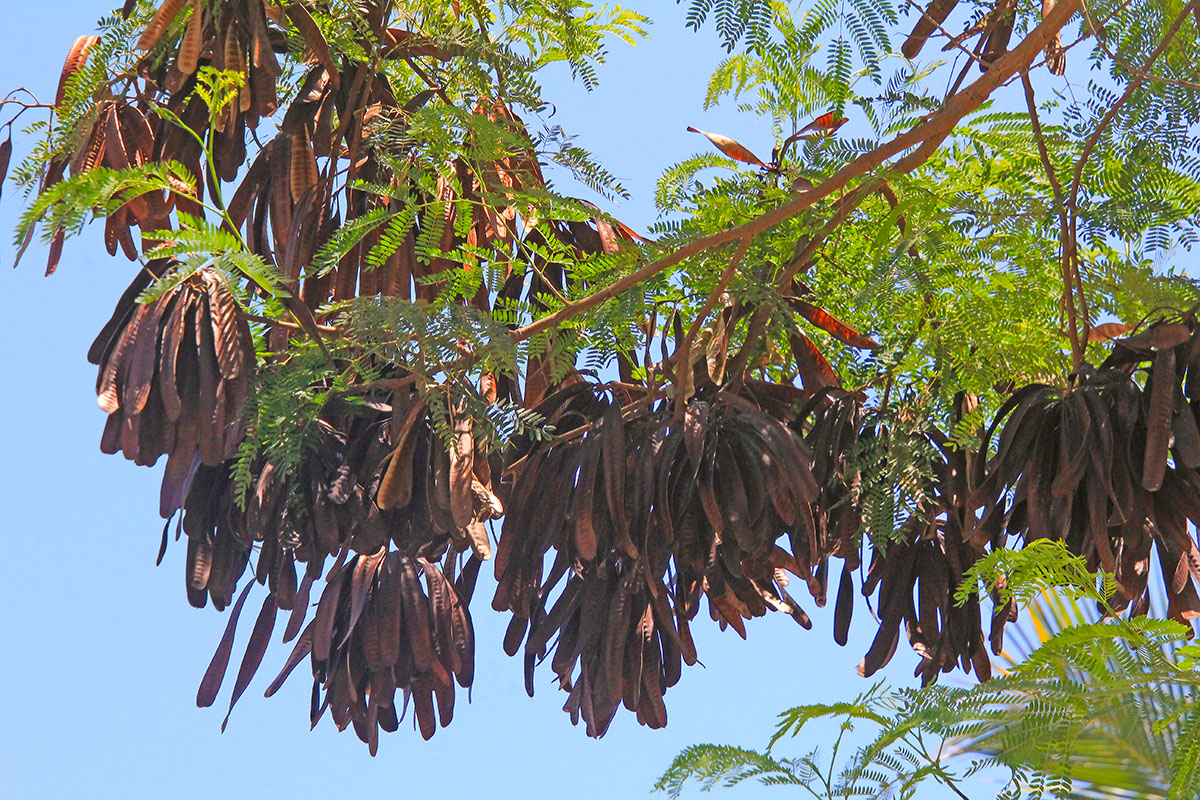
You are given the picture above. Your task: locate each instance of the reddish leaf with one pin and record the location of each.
(729, 147)
(1109, 330)
(831, 325)
(827, 123)
(815, 370)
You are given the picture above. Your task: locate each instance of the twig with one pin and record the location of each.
(966, 67)
(1095, 31)
(1068, 296)
(429, 81)
(292, 326)
(10, 100)
(714, 296)
(926, 135)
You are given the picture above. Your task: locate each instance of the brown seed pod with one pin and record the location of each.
(644, 492)
(193, 41)
(75, 60)
(159, 23)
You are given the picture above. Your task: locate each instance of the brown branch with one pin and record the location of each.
(1096, 31)
(430, 82)
(715, 295)
(928, 134)
(1068, 273)
(1112, 111)
(1040, 139)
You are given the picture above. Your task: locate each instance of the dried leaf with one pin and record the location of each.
(1109, 330)
(462, 459)
(1158, 419)
(830, 324)
(827, 123)
(6, 148)
(730, 147)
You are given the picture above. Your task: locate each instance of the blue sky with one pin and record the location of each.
(102, 653)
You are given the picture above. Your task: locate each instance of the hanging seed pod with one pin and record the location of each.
(704, 494)
(159, 23)
(173, 374)
(1101, 465)
(193, 41)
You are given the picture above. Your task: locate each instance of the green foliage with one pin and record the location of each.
(218, 88)
(68, 206)
(282, 415)
(896, 466)
(1021, 575)
(199, 239)
(1100, 709)
(111, 56)
(735, 20)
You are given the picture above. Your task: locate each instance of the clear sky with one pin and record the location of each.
(102, 654)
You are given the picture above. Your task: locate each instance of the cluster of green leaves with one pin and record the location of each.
(1100, 709)
(69, 206)
(896, 468)
(958, 274)
(110, 57)
(282, 414)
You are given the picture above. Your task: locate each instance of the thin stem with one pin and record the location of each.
(1095, 31)
(714, 296)
(1068, 296)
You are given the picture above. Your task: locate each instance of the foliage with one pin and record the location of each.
(1097, 710)
(365, 326)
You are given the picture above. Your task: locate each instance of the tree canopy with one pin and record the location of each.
(378, 347)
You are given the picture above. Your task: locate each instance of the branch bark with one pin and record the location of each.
(1068, 273)
(926, 136)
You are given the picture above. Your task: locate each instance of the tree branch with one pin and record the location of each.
(927, 134)
(1068, 296)
(1112, 111)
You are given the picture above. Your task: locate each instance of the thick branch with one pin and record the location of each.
(929, 134)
